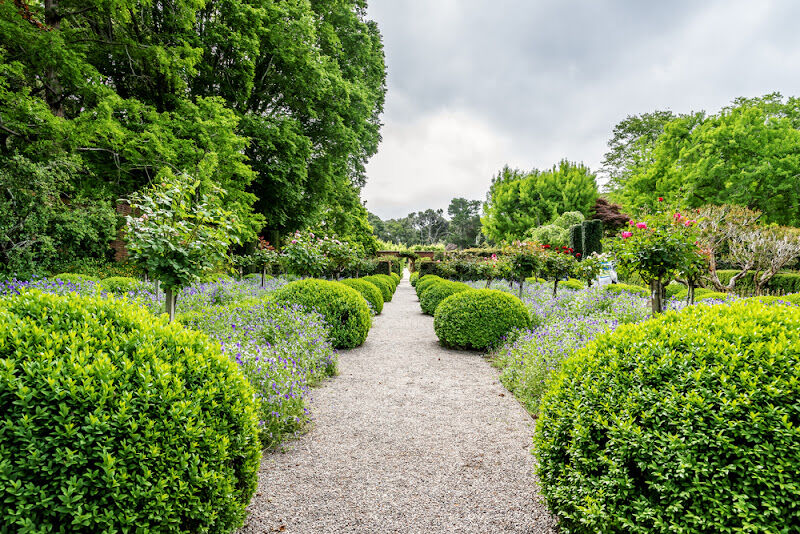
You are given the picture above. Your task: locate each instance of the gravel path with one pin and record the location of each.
(409, 438)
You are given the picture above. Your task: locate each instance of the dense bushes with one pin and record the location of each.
(396, 278)
(118, 284)
(479, 318)
(76, 278)
(369, 291)
(412, 278)
(672, 426)
(627, 288)
(113, 420)
(437, 292)
(786, 282)
(424, 282)
(389, 280)
(383, 286)
(343, 307)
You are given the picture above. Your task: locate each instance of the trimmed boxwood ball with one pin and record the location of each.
(412, 278)
(425, 281)
(112, 420)
(627, 288)
(118, 284)
(389, 280)
(685, 423)
(343, 307)
(383, 286)
(572, 284)
(478, 318)
(76, 277)
(369, 291)
(437, 292)
(396, 278)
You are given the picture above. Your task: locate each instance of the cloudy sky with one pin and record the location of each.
(476, 84)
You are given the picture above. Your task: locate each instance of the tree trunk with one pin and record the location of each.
(158, 289)
(656, 301)
(264, 277)
(690, 294)
(488, 283)
(555, 288)
(521, 285)
(170, 303)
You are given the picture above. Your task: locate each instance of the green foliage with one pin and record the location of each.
(786, 282)
(627, 288)
(549, 234)
(343, 308)
(117, 412)
(389, 280)
(304, 256)
(437, 292)
(573, 284)
(368, 290)
(76, 277)
(181, 231)
(396, 278)
(669, 426)
(413, 277)
(119, 284)
(425, 281)
(102, 268)
(576, 240)
(479, 318)
(386, 288)
(591, 237)
(465, 222)
(747, 154)
(520, 201)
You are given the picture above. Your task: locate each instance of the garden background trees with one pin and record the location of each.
(284, 96)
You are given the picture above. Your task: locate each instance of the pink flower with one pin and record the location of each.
(677, 216)
(626, 235)
(294, 241)
(494, 257)
(641, 226)
(631, 223)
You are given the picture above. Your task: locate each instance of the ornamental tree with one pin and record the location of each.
(180, 231)
(657, 248)
(558, 263)
(304, 256)
(526, 260)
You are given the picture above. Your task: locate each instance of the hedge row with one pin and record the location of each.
(787, 282)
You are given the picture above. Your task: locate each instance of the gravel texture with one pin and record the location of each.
(410, 438)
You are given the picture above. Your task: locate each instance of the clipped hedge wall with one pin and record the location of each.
(383, 286)
(368, 290)
(576, 239)
(592, 237)
(437, 292)
(786, 282)
(673, 425)
(343, 307)
(112, 420)
(479, 318)
(119, 284)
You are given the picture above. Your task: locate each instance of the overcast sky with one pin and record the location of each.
(476, 84)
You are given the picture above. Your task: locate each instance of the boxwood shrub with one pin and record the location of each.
(119, 284)
(572, 283)
(479, 318)
(627, 288)
(383, 286)
(76, 277)
(424, 282)
(685, 423)
(396, 278)
(786, 281)
(412, 278)
(369, 291)
(112, 420)
(391, 281)
(343, 307)
(437, 292)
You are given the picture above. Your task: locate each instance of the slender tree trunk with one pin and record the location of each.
(555, 288)
(170, 303)
(690, 293)
(521, 285)
(264, 277)
(656, 302)
(158, 289)
(488, 283)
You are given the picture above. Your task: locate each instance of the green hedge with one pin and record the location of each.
(383, 286)
(343, 307)
(786, 282)
(76, 278)
(424, 282)
(396, 278)
(572, 284)
(592, 237)
(437, 292)
(684, 423)
(627, 288)
(413, 277)
(119, 284)
(368, 290)
(479, 318)
(112, 420)
(576, 239)
(389, 280)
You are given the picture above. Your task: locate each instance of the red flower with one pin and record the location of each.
(661, 199)
(578, 254)
(545, 246)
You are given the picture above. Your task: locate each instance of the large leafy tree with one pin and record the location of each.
(519, 201)
(748, 154)
(465, 221)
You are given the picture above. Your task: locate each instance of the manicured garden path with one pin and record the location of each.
(409, 438)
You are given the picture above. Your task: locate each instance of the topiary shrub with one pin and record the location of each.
(118, 284)
(592, 237)
(572, 284)
(383, 286)
(369, 291)
(112, 420)
(478, 319)
(684, 423)
(674, 288)
(576, 240)
(76, 277)
(437, 292)
(627, 288)
(396, 277)
(412, 278)
(424, 282)
(343, 307)
(388, 280)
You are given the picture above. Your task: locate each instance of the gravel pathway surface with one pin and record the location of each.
(410, 438)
